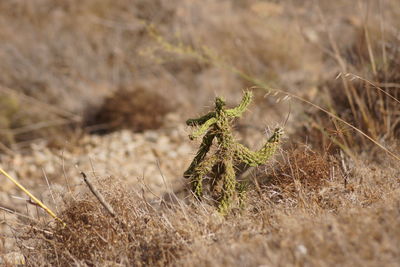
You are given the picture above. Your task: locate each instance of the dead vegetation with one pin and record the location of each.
(137, 110)
(303, 167)
(330, 198)
(92, 237)
(313, 223)
(365, 91)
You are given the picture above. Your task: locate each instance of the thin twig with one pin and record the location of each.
(98, 195)
(6, 149)
(20, 186)
(51, 190)
(354, 76)
(269, 89)
(13, 211)
(107, 206)
(37, 126)
(48, 107)
(64, 172)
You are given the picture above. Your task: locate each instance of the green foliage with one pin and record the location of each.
(229, 153)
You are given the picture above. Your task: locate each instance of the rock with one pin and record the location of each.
(12, 259)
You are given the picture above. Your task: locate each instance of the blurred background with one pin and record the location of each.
(98, 66)
(105, 86)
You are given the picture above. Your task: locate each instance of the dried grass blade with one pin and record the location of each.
(43, 206)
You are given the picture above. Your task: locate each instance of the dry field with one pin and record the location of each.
(104, 87)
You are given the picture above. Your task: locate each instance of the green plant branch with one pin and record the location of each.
(238, 111)
(228, 152)
(203, 128)
(201, 120)
(254, 159)
(201, 153)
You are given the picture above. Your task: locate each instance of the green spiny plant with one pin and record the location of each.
(229, 153)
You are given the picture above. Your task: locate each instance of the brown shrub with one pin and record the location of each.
(138, 237)
(361, 228)
(300, 166)
(140, 109)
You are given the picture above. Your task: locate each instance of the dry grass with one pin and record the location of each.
(93, 237)
(79, 54)
(303, 167)
(306, 223)
(368, 97)
(137, 109)
(334, 201)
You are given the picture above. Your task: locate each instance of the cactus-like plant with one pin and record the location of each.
(229, 153)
